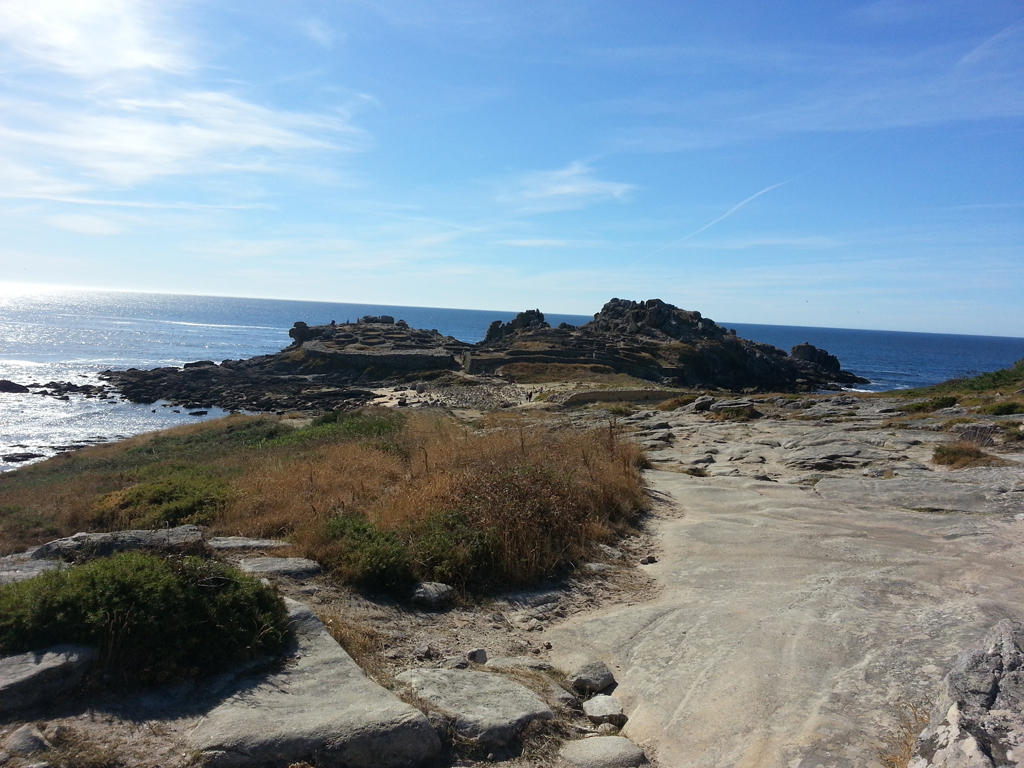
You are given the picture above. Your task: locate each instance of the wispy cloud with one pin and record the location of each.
(319, 32)
(90, 38)
(139, 115)
(574, 186)
(84, 224)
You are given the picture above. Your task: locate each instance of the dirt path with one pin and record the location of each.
(795, 618)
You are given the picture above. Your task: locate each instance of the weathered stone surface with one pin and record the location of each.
(290, 567)
(519, 662)
(604, 709)
(433, 595)
(21, 566)
(484, 708)
(833, 455)
(26, 740)
(602, 752)
(934, 494)
(228, 543)
(979, 717)
(591, 677)
(30, 679)
(320, 708)
(89, 545)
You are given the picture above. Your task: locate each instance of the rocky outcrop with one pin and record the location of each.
(87, 546)
(326, 366)
(979, 719)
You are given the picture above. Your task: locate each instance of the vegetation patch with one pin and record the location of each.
(1006, 408)
(1011, 378)
(962, 454)
(153, 619)
(932, 404)
(380, 497)
(740, 413)
(676, 402)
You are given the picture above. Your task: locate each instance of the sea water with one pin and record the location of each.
(73, 335)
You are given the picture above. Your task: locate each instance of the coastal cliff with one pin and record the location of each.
(329, 364)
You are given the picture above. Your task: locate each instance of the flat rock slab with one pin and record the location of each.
(20, 567)
(291, 567)
(789, 626)
(321, 707)
(485, 708)
(31, 679)
(89, 545)
(229, 543)
(934, 494)
(602, 752)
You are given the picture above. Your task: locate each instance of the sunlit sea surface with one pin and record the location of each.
(72, 336)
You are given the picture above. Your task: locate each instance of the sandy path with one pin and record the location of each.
(792, 620)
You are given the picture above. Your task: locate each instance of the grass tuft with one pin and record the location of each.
(962, 454)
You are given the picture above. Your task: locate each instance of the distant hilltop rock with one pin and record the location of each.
(650, 340)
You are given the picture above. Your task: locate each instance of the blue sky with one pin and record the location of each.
(845, 164)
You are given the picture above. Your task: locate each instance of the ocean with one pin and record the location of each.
(73, 335)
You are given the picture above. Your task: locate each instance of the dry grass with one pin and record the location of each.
(898, 748)
(962, 454)
(381, 498)
(551, 373)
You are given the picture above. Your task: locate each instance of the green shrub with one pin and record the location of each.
(176, 495)
(1007, 408)
(933, 404)
(361, 554)
(962, 454)
(153, 619)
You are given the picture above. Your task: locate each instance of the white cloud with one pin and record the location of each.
(574, 186)
(84, 224)
(88, 38)
(129, 141)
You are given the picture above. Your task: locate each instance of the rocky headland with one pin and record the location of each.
(335, 366)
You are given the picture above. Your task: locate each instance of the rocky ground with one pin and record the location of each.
(801, 578)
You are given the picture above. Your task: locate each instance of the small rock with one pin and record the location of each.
(591, 677)
(596, 568)
(433, 595)
(455, 662)
(603, 752)
(648, 560)
(477, 656)
(424, 652)
(604, 709)
(607, 729)
(26, 740)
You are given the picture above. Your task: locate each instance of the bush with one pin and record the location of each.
(933, 404)
(153, 619)
(1007, 408)
(178, 495)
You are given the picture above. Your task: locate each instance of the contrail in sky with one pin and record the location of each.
(725, 215)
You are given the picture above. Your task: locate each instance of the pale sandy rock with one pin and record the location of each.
(319, 707)
(290, 567)
(604, 709)
(229, 543)
(26, 740)
(31, 679)
(602, 752)
(89, 545)
(591, 676)
(482, 707)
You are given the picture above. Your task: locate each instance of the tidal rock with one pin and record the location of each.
(603, 752)
(34, 678)
(320, 707)
(10, 387)
(484, 708)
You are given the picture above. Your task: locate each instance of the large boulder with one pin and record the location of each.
(320, 707)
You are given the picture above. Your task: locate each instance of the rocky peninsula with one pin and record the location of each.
(334, 366)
